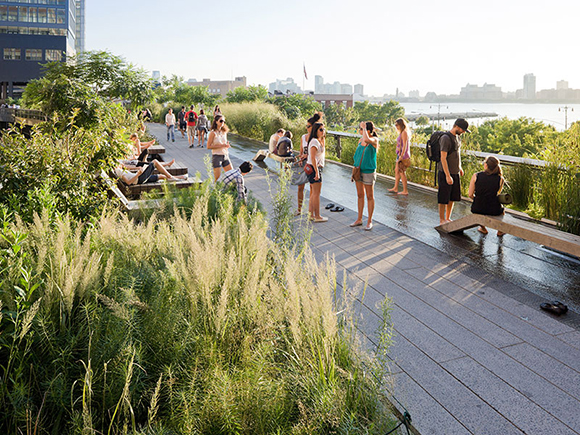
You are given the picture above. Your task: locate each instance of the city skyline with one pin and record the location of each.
(436, 46)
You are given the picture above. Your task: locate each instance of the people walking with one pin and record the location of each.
(484, 189)
(403, 152)
(365, 157)
(170, 123)
(181, 121)
(216, 111)
(316, 157)
(191, 120)
(217, 142)
(201, 127)
(449, 170)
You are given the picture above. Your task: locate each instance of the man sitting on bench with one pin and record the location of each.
(145, 174)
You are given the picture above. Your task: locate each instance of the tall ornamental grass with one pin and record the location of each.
(191, 324)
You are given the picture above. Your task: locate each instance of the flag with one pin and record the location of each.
(305, 75)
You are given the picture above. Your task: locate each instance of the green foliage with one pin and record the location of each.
(337, 115)
(108, 76)
(247, 95)
(55, 169)
(260, 120)
(422, 120)
(296, 105)
(513, 137)
(184, 325)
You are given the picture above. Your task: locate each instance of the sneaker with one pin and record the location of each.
(191, 146)
(172, 140)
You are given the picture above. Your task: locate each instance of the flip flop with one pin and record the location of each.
(329, 206)
(557, 308)
(338, 208)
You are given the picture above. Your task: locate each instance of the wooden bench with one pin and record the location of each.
(127, 204)
(537, 233)
(261, 155)
(156, 149)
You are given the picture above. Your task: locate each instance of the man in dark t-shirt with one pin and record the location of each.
(449, 170)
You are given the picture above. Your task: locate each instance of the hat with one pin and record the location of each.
(462, 124)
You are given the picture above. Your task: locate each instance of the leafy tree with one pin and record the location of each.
(422, 120)
(296, 105)
(380, 114)
(247, 95)
(514, 137)
(339, 115)
(109, 76)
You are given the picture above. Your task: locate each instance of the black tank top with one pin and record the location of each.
(485, 200)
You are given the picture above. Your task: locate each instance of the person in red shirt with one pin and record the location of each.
(191, 119)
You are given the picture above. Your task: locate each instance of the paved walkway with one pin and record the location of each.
(468, 358)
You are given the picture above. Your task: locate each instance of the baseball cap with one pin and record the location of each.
(462, 124)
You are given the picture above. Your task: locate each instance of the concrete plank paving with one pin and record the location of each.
(468, 358)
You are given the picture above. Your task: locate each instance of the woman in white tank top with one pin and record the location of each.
(217, 142)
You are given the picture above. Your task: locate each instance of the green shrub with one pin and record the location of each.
(183, 325)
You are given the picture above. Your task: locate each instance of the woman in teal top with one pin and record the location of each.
(365, 156)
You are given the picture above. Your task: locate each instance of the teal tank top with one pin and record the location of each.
(369, 159)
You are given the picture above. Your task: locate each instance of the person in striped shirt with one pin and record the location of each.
(236, 177)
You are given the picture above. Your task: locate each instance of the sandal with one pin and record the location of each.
(329, 206)
(555, 307)
(338, 208)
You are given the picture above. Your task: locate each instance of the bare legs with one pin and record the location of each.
(314, 203)
(404, 180)
(363, 190)
(300, 197)
(218, 171)
(445, 212)
(397, 178)
(163, 174)
(200, 137)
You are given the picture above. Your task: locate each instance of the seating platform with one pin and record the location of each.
(156, 149)
(263, 154)
(534, 232)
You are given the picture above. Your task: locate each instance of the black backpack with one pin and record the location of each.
(191, 116)
(433, 149)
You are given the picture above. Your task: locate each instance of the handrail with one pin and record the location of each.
(505, 159)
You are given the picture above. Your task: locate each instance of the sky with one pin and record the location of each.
(424, 45)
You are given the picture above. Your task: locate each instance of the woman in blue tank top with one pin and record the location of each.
(365, 156)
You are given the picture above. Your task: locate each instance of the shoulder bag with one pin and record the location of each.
(356, 169)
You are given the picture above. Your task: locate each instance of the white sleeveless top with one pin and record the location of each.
(220, 139)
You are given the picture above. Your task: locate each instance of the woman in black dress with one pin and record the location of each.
(484, 188)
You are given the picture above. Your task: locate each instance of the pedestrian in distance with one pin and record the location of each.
(484, 189)
(181, 121)
(170, 123)
(201, 127)
(365, 157)
(450, 170)
(403, 151)
(316, 157)
(217, 142)
(191, 120)
(216, 111)
(303, 155)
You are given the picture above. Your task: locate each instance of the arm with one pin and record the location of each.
(471, 192)
(445, 167)
(132, 180)
(501, 183)
(312, 151)
(210, 139)
(374, 141)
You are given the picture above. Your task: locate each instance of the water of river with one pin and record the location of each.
(515, 260)
(547, 113)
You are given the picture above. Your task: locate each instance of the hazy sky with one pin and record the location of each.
(427, 45)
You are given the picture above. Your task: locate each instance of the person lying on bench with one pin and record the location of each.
(237, 176)
(145, 174)
(484, 188)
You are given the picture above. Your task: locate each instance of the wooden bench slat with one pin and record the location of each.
(550, 237)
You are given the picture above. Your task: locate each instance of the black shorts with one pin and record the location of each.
(147, 174)
(182, 125)
(311, 179)
(219, 160)
(448, 193)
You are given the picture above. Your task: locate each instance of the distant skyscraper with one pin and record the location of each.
(284, 86)
(529, 87)
(345, 88)
(359, 89)
(34, 32)
(562, 84)
(318, 84)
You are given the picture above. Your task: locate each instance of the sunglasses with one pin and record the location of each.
(221, 121)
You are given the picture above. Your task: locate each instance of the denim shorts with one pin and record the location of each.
(311, 179)
(219, 161)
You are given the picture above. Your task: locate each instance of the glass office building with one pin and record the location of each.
(33, 32)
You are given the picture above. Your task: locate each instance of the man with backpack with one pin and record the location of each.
(449, 169)
(191, 119)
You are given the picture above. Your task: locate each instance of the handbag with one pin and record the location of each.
(356, 169)
(505, 198)
(308, 169)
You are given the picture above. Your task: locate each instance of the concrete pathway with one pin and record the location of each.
(468, 357)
